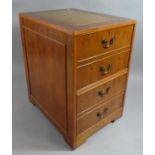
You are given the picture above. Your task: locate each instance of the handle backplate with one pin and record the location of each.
(103, 93)
(104, 71)
(107, 44)
(102, 114)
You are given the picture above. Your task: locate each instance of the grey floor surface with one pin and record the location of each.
(33, 134)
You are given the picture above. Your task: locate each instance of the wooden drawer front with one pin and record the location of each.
(99, 113)
(101, 42)
(100, 94)
(101, 69)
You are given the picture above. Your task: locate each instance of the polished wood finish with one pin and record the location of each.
(43, 59)
(98, 113)
(92, 72)
(77, 65)
(81, 138)
(91, 45)
(99, 94)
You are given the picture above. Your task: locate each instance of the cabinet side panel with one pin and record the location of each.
(46, 59)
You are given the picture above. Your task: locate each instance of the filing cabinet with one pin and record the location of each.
(77, 65)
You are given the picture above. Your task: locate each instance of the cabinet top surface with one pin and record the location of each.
(75, 19)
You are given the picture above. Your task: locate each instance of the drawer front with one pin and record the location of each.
(100, 94)
(101, 42)
(101, 69)
(96, 115)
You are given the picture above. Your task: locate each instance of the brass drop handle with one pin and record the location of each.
(101, 114)
(103, 71)
(112, 40)
(101, 93)
(107, 44)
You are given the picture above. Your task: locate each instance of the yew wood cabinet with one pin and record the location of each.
(77, 65)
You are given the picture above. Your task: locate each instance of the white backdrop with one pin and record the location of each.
(33, 134)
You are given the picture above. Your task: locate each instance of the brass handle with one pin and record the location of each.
(101, 93)
(103, 71)
(112, 40)
(101, 114)
(107, 44)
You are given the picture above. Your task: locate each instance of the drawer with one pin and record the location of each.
(98, 70)
(99, 113)
(98, 43)
(100, 94)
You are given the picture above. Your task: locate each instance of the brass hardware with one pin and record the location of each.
(101, 114)
(107, 44)
(98, 114)
(103, 71)
(101, 93)
(112, 40)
